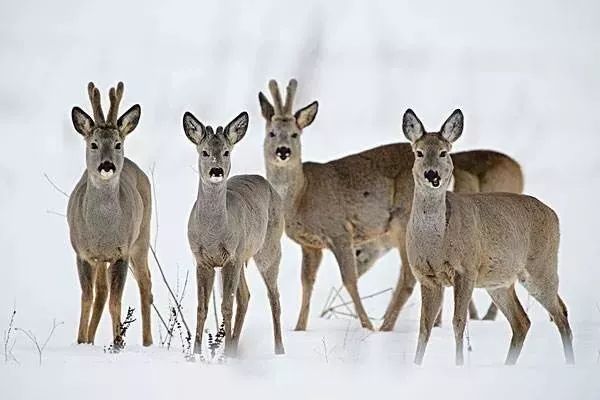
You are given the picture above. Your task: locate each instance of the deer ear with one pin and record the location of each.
(194, 130)
(82, 122)
(305, 116)
(412, 126)
(266, 108)
(128, 121)
(453, 127)
(236, 129)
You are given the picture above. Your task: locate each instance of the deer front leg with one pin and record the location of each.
(311, 259)
(231, 279)
(117, 275)
(431, 303)
(344, 254)
(86, 274)
(463, 290)
(205, 278)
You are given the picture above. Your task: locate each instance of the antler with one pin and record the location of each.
(289, 98)
(115, 99)
(94, 95)
(276, 97)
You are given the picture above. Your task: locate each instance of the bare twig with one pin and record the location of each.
(8, 346)
(40, 346)
(325, 350)
(55, 186)
(332, 310)
(162, 273)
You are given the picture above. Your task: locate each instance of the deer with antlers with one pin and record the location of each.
(109, 217)
(359, 200)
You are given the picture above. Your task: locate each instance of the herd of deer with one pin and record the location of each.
(483, 234)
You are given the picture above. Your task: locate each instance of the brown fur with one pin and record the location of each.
(486, 240)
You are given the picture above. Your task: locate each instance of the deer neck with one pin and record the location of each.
(428, 216)
(211, 207)
(102, 197)
(288, 181)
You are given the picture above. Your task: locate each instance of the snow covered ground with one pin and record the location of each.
(525, 74)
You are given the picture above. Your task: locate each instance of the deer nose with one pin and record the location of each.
(283, 152)
(433, 177)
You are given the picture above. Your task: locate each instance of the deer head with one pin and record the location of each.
(214, 147)
(104, 137)
(283, 129)
(432, 169)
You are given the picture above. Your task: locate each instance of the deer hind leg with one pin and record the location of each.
(431, 303)
(86, 279)
(268, 265)
(242, 299)
(142, 276)
(311, 259)
(231, 277)
(546, 292)
(101, 286)
(507, 301)
(117, 274)
(344, 254)
(205, 278)
(404, 289)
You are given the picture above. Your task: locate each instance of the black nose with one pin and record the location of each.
(216, 172)
(107, 166)
(283, 152)
(433, 177)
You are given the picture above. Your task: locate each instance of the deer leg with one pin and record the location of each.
(205, 278)
(142, 276)
(311, 259)
(463, 290)
(558, 312)
(117, 274)
(86, 279)
(101, 287)
(431, 302)
(268, 265)
(242, 299)
(344, 255)
(231, 278)
(404, 288)
(507, 301)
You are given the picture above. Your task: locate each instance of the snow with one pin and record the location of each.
(525, 75)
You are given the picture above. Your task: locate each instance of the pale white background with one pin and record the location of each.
(525, 73)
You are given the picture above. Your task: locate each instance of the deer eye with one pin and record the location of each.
(443, 154)
(94, 146)
(294, 135)
(204, 153)
(419, 153)
(272, 134)
(226, 154)
(118, 146)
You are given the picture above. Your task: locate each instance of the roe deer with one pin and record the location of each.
(232, 221)
(344, 203)
(109, 217)
(486, 240)
(474, 171)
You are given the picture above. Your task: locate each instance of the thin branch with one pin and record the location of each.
(52, 212)
(55, 186)
(162, 273)
(34, 340)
